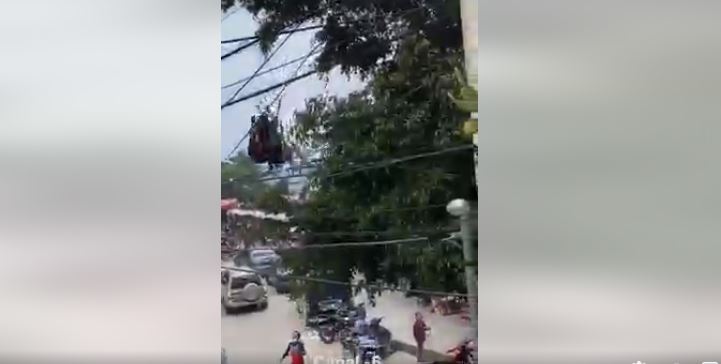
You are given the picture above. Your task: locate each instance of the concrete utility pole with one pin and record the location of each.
(462, 209)
(469, 221)
(469, 21)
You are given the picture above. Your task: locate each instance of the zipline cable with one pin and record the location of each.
(267, 59)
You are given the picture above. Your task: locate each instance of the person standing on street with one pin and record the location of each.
(296, 349)
(419, 333)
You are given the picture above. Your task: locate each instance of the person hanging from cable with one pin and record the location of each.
(275, 144)
(255, 143)
(295, 349)
(266, 144)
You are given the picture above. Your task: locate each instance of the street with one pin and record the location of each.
(261, 336)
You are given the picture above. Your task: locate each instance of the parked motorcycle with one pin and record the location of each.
(338, 326)
(331, 320)
(375, 342)
(369, 351)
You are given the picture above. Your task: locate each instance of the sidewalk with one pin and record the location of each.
(398, 316)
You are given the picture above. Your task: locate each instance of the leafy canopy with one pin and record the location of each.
(358, 35)
(404, 110)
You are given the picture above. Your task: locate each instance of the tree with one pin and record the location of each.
(405, 110)
(358, 35)
(240, 178)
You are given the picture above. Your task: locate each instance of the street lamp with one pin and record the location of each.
(458, 207)
(462, 209)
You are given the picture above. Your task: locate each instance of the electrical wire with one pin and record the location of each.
(314, 163)
(251, 37)
(357, 285)
(380, 164)
(280, 93)
(229, 14)
(268, 89)
(237, 145)
(313, 27)
(379, 232)
(294, 60)
(239, 49)
(267, 59)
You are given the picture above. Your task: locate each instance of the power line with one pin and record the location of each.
(239, 49)
(356, 285)
(267, 59)
(374, 165)
(360, 243)
(267, 89)
(401, 160)
(379, 232)
(278, 96)
(380, 164)
(251, 37)
(315, 163)
(237, 145)
(229, 14)
(294, 60)
(312, 27)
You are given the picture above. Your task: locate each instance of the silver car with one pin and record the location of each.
(265, 261)
(242, 289)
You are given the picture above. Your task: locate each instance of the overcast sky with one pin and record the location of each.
(235, 120)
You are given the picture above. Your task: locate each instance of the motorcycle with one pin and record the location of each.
(368, 351)
(382, 335)
(338, 327)
(376, 341)
(462, 354)
(332, 317)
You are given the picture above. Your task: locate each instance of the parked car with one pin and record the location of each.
(242, 289)
(280, 280)
(264, 261)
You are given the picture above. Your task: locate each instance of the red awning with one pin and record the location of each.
(229, 204)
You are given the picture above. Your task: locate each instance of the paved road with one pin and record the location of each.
(261, 336)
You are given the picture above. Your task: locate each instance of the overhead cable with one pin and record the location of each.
(252, 37)
(294, 60)
(267, 89)
(239, 49)
(267, 59)
(356, 285)
(379, 164)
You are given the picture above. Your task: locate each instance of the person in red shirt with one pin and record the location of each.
(419, 333)
(295, 349)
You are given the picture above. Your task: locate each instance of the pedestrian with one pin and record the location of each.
(419, 333)
(295, 348)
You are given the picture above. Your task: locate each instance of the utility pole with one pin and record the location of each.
(469, 220)
(462, 209)
(469, 22)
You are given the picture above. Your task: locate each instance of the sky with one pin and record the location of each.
(235, 119)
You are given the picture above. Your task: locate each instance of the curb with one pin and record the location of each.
(428, 355)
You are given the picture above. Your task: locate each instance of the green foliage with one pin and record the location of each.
(240, 178)
(466, 97)
(357, 34)
(403, 111)
(410, 50)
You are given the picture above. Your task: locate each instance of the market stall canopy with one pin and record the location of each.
(258, 214)
(228, 204)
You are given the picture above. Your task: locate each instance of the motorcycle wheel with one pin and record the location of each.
(327, 335)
